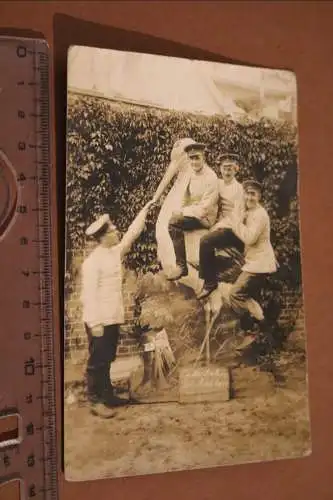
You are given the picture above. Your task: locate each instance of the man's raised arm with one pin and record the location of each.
(135, 229)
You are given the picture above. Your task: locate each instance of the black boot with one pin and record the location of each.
(104, 408)
(179, 272)
(110, 400)
(246, 322)
(93, 392)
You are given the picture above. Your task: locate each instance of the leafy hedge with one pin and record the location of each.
(117, 155)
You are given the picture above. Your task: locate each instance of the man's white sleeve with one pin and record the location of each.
(249, 234)
(208, 200)
(240, 203)
(89, 296)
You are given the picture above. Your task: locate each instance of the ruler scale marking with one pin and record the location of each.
(34, 459)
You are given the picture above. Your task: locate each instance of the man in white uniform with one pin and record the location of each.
(199, 205)
(102, 300)
(260, 261)
(221, 235)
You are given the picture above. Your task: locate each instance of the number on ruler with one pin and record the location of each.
(27, 335)
(31, 460)
(6, 460)
(29, 367)
(22, 209)
(21, 51)
(28, 399)
(23, 240)
(21, 113)
(21, 177)
(26, 273)
(32, 491)
(21, 146)
(30, 429)
(26, 304)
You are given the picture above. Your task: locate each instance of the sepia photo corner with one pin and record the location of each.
(185, 338)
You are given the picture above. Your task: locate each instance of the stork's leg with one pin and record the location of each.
(208, 320)
(210, 317)
(207, 330)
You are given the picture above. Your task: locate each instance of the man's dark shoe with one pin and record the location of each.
(102, 411)
(179, 273)
(246, 342)
(114, 401)
(206, 291)
(93, 399)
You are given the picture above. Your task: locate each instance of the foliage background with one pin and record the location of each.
(117, 155)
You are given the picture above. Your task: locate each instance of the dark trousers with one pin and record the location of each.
(247, 286)
(177, 226)
(250, 285)
(102, 352)
(218, 239)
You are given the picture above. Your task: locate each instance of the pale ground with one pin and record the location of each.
(261, 422)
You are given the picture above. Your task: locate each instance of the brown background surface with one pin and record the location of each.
(288, 35)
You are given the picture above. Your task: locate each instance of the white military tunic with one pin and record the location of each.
(101, 295)
(234, 193)
(255, 233)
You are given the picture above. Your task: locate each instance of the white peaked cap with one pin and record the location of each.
(183, 143)
(180, 145)
(98, 224)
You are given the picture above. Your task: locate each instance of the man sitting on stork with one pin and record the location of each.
(232, 217)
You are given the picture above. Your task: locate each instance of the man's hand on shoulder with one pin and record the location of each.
(234, 218)
(176, 216)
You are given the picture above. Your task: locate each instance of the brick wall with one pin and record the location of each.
(292, 315)
(292, 306)
(298, 334)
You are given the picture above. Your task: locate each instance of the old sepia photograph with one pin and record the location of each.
(185, 336)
